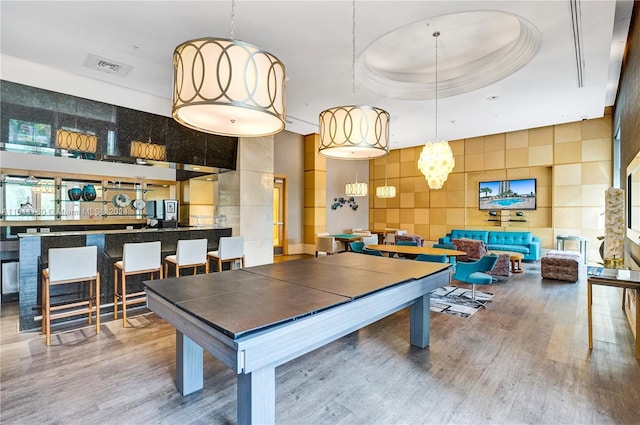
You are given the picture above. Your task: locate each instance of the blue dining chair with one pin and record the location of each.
(432, 258)
(473, 273)
(407, 243)
(375, 252)
(356, 247)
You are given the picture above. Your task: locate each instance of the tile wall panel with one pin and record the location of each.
(596, 150)
(540, 155)
(565, 133)
(517, 139)
(567, 153)
(517, 157)
(540, 136)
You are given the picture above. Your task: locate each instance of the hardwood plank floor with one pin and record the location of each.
(523, 360)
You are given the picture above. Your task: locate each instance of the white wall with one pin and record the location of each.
(338, 174)
(48, 78)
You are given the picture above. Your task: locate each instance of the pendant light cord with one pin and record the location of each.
(353, 49)
(436, 35)
(233, 15)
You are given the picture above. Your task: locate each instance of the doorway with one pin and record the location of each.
(279, 215)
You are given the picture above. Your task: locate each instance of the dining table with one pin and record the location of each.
(347, 238)
(416, 250)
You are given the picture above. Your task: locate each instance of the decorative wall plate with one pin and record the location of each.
(138, 204)
(121, 200)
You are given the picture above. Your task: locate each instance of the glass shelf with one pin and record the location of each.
(81, 200)
(57, 186)
(126, 189)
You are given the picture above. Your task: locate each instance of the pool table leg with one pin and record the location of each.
(256, 392)
(189, 365)
(420, 322)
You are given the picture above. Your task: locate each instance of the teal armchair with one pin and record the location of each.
(474, 273)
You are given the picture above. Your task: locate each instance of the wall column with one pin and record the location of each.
(315, 192)
(246, 198)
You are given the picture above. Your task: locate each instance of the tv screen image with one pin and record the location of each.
(508, 195)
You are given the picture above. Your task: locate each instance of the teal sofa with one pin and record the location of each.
(522, 242)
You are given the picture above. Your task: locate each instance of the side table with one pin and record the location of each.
(582, 244)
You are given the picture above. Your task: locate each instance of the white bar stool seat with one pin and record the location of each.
(189, 253)
(230, 250)
(71, 265)
(137, 258)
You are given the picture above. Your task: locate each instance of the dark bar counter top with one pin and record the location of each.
(34, 249)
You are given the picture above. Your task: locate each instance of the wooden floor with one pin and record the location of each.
(524, 360)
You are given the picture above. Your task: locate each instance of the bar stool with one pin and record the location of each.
(189, 253)
(229, 250)
(66, 266)
(137, 258)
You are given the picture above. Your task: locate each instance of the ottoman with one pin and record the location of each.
(561, 265)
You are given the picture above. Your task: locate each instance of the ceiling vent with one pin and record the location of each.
(108, 66)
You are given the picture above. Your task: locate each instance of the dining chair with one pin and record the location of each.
(70, 266)
(189, 253)
(474, 273)
(230, 250)
(407, 243)
(137, 258)
(432, 258)
(370, 240)
(375, 252)
(327, 244)
(356, 246)
(390, 239)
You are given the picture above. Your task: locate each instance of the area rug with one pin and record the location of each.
(457, 301)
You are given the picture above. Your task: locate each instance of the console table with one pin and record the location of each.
(626, 279)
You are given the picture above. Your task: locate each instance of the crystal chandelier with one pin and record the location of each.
(228, 87)
(385, 191)
(436, 159)
(354, 131)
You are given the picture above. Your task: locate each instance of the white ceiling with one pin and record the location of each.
(314, 41)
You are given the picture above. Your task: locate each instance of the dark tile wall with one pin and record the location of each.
(123, 125)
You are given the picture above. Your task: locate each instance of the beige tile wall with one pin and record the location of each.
(571, 162)
(315, 190)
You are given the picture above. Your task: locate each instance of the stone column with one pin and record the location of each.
(245, 197)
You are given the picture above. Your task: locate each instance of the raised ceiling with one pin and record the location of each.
(575, 50)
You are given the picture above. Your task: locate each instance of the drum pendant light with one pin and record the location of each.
(228, 87)
(436, 159)
(356, 188)
(385, 191)
(354, 131)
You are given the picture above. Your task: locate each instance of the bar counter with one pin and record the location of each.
(34, 249)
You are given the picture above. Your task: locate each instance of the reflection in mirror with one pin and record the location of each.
(633, 199)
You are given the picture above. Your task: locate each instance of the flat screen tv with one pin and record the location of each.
(508, 195)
